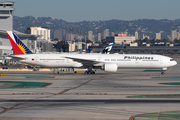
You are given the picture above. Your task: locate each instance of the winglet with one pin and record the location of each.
(18, 46)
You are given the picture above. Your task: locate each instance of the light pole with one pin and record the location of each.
(71, 29)
(85, 41)
(80, 32)
(78, 40)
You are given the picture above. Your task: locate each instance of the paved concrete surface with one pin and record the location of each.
(102, 96)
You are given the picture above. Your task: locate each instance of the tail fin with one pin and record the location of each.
(82, 51)
(107, 49)
(18, 46)
(90, 51)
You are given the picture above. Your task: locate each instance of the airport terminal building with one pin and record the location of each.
(6, 24)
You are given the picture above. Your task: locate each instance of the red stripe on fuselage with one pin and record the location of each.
(16, 49)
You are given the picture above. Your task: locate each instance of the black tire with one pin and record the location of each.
(162, 73)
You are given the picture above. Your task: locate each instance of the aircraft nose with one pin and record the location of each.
(175, 63)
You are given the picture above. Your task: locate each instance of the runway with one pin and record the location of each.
(110, 101)
(103, 96)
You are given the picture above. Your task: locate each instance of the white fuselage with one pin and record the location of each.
(122, 60)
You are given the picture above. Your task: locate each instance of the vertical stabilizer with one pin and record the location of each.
(18, 46)
(107, 49)
(82, 51)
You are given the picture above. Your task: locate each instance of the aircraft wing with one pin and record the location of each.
(86, 62)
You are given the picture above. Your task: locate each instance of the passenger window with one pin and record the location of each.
(106, 59)
(113, 59)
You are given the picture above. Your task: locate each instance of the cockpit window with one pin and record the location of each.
(171, 59)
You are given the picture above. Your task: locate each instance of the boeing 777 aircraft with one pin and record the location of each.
(106, 62)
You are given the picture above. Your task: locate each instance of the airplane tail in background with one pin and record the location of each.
(90, 51)
(82, 51)
(18, 46)
(107, 49)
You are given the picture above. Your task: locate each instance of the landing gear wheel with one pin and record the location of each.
(89, 72)
(162, 73)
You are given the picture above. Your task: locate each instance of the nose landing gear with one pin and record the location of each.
(163, 72)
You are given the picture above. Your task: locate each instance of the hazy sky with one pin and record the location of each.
(94, 10)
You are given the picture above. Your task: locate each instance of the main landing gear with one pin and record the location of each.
(89, 71)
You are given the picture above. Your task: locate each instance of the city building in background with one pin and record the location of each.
(121, 35)
(64, 34)
(158, 36)
(178, 35)
(112, 34)
(42, 44)
(73, 46)
(136, 35)
(126, 33)
(145, 36)
(90, 35)
(69, 35)
(43, 33)
(106, 33)
(174, 35)
(121, 39)
(58, 34)
(99, 37)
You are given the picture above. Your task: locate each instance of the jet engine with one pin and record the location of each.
(110, 67)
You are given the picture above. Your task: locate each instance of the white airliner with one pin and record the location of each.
(106, 62)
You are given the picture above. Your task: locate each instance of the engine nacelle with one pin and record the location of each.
(110, 67)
